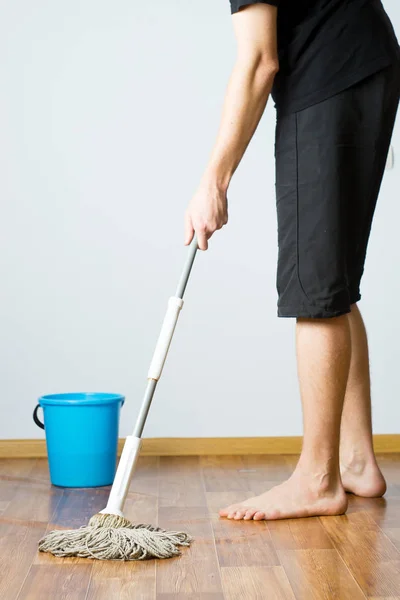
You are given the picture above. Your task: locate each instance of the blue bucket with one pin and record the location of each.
(81, 437)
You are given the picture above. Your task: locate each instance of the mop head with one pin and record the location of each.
(110, 537)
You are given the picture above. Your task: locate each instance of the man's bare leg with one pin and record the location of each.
(360, 472)
(315, 487)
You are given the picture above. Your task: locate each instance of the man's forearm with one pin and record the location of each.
(245, 101)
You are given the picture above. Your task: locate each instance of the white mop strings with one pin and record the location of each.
(110, 537)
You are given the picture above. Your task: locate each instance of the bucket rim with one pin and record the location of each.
(81, 399)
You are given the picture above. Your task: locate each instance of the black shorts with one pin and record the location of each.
(330, 160)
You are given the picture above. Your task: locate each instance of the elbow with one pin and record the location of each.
(261, 66)
(263, 73)
(268, 66)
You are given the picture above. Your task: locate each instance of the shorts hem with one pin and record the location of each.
(354, 299)
(312, 312)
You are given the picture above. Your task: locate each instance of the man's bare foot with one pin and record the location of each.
(363, 478)
(302, 495)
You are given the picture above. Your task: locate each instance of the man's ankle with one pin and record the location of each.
(356, 461)
(323, 474)
(356, 458)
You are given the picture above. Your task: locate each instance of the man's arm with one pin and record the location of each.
(245, 100)
(248, 89)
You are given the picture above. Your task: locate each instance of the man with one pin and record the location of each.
(333, 67)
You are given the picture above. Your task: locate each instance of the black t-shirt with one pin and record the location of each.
(325, 46)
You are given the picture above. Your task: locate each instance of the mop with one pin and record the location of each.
(109, 535)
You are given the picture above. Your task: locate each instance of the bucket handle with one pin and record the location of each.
(36, 418)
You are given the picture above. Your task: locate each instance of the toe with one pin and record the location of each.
(258, 515)
(224, 512)
(240, 514)
(249, 515)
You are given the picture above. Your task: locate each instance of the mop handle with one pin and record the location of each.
(130, 453)
(175, 304)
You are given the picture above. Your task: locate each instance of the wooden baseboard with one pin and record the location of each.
(389, 443)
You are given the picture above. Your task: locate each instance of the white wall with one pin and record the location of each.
(107, 115)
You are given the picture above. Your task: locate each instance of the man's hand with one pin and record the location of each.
(207, 212)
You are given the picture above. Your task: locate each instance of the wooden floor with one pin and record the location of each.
(349, 557)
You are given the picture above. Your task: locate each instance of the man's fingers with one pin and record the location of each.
(203, 229)
(202, 239)
(189, 231)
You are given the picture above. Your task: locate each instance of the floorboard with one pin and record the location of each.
(350, 557)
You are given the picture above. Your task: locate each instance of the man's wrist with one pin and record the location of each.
(216, 179)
